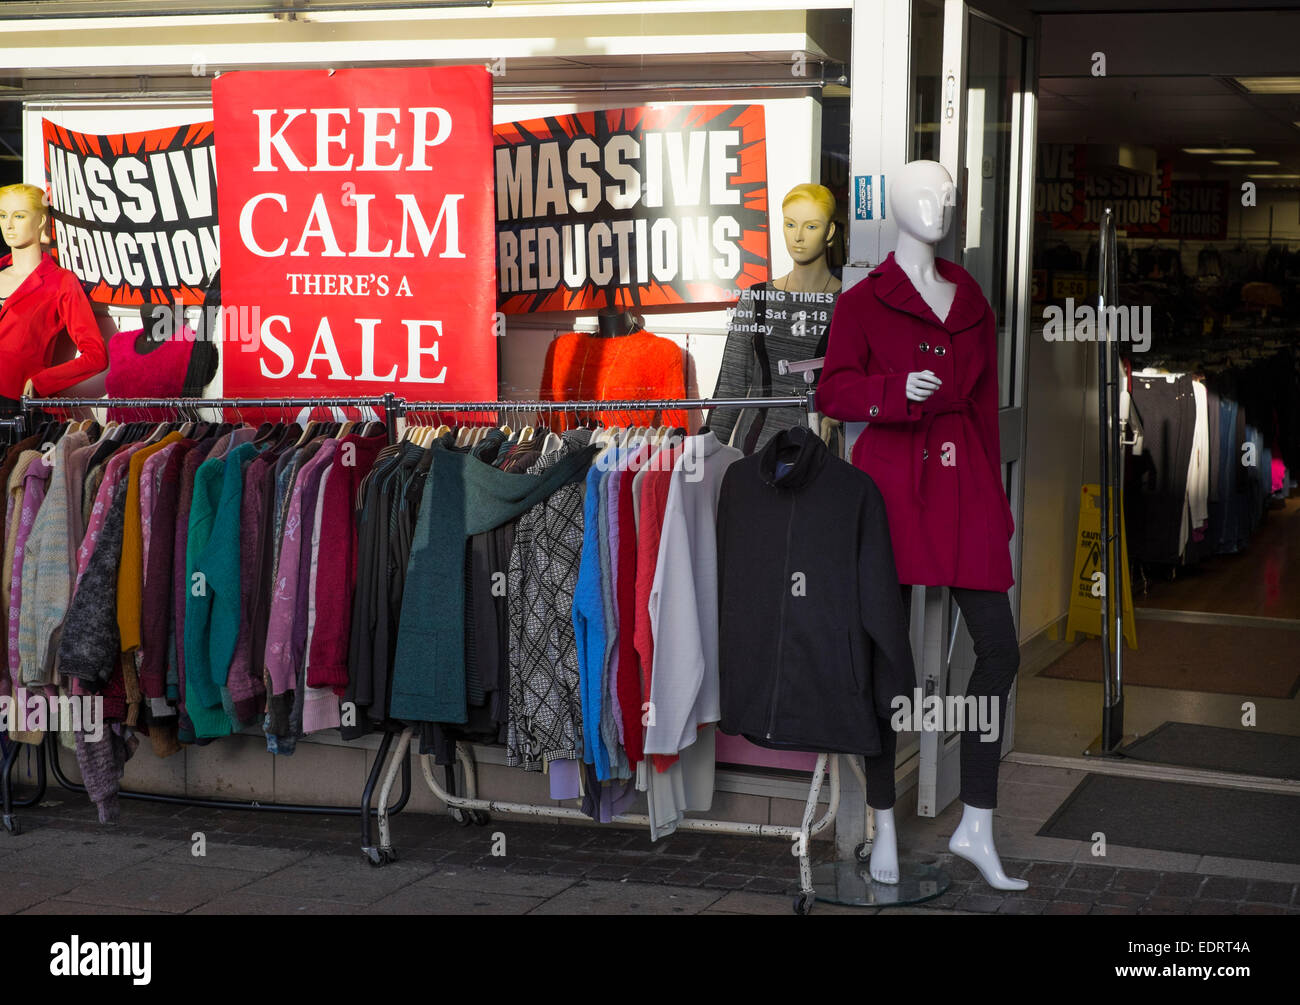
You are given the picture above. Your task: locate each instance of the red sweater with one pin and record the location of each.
(46, 304)
(582, 367)
(654, 500)
(336, 565)
(630, 697)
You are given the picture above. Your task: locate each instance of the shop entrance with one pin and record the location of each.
(1186, 125)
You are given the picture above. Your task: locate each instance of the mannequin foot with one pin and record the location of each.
(884, 849)
(973, 841)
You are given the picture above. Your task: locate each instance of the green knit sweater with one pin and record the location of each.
(209, 631)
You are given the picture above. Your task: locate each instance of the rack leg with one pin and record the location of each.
(803, 902)
(367, 794)
(10, 819)
(398, 757)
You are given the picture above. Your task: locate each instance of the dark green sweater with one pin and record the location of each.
(462, 496)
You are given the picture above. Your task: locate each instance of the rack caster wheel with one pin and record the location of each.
(480, 817)
(388, 855)
(373, 856)
(11, 824)
(863, 852)
(803, 903)
(461, 817)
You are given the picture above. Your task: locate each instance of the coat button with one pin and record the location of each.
(874, 411)
(925, 454)
(940, 350)
(924, 347)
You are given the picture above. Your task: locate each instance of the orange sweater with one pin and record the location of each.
(581, 367)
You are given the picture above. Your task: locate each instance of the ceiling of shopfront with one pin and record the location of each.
(1174, 80)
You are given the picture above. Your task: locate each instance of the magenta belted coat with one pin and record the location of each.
(938, 462)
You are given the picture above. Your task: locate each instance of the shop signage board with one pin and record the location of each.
(1200, 210)
(134, 214)
(1070, 196)
(631, 207)
(1085, 586)
(357, 231)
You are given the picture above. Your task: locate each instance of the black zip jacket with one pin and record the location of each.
(813, 637)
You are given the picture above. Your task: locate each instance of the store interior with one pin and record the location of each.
(1200, 156)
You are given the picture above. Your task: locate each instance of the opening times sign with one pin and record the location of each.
(631, 207)
(357, 231)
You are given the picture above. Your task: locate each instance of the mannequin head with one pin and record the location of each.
(23, 215)
(922, 197)
(808, 210)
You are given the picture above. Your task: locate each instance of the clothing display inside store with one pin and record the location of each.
(1206, 454)
(207, 578)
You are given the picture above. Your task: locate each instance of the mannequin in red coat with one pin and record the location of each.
(913, 352)
(39, 301)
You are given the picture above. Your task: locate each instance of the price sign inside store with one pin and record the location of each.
(1069, 284)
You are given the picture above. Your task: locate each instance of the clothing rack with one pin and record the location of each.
(392, 758)
(50, 750)
(470, 808)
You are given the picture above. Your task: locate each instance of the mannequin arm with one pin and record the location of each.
(847, 392)
(74, 313)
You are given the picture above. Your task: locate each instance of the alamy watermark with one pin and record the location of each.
(949, 714)
(1083, 323)
(35, 711)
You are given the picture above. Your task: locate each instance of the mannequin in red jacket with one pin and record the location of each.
(39, 301)
(913, 352)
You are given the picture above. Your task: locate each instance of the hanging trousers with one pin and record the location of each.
(997, 658)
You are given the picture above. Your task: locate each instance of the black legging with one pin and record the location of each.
(997, 658)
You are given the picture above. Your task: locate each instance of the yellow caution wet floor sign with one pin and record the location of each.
(1087, 585)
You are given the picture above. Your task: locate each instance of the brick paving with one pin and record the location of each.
(64, 861)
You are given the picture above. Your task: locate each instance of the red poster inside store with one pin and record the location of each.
(357, 232)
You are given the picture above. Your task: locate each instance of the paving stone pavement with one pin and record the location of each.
(261, 862)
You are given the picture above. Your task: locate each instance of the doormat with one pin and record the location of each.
(1221, 659)
(1175, 816)
(1245, 751)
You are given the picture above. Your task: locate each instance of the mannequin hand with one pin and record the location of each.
(921, 384)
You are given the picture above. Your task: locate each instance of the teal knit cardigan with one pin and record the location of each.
(462, 496)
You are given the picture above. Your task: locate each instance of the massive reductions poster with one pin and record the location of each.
(135, 214)
(631, 207)
(1070, 196)
(357, 231)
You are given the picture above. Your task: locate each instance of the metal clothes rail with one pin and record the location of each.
(390, 759)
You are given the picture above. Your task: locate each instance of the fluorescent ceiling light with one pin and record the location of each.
(1273, 176)
(1218, 150)
(1270, 85)
(1247, 163)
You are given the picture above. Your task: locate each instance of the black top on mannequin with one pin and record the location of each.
(153, 334)
(615, 324)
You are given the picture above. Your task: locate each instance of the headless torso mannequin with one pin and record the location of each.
(922, 197)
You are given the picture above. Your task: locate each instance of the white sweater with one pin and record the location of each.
(684, 692)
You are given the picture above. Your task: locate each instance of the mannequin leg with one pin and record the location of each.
(997, 659)
(881, 797)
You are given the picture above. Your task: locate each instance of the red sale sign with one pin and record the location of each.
(357, 232)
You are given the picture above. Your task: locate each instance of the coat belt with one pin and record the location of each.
(966, 405)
